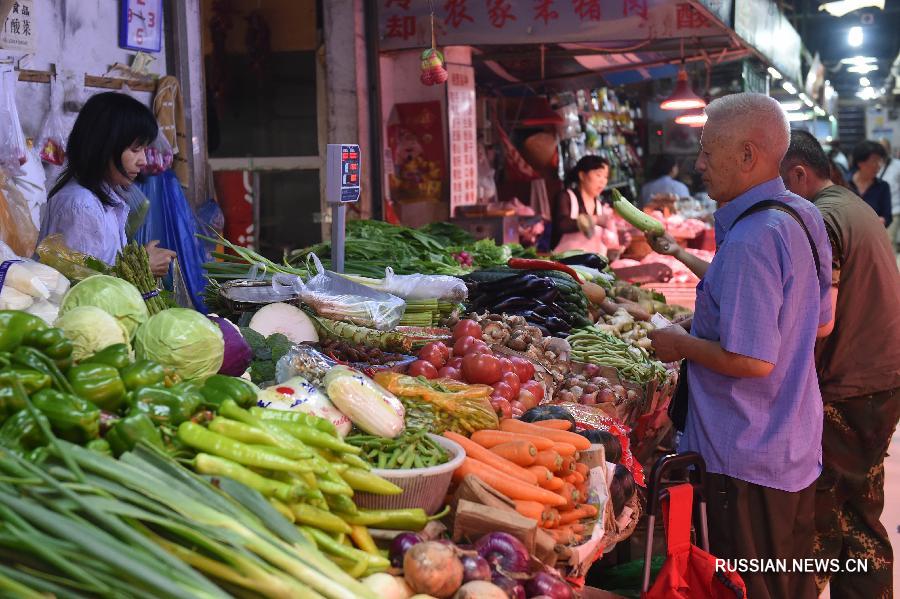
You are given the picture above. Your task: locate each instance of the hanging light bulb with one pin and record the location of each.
(683, 97)
(692, 118)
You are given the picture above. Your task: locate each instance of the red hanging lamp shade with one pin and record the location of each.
(538, 112)
(683, 97)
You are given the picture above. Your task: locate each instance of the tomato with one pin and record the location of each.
(432, 353)
(454, 363)
(463, 345)
(535, 388)
(448, 372)
(479, 347)
(501, 406)
(506, 365)
(481, 368)
(512, 379)
(505, 391)
(527, 399)
(466, 328)
(524, 368)
(422, 368)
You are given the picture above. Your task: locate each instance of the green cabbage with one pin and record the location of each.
(184, 340)
(90, 329)
(114, 296)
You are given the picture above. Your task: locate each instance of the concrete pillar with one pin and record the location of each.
(346, 95)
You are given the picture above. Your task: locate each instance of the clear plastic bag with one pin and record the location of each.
(337, 298)
(54, 252)
(303, 360)
(159, 155)
(26, 282)
(417, 287)
(13, 151)
(52, 141)
(17, 229)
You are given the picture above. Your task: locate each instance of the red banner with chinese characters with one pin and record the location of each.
(416, 140)
(407, 24)
(234, 191)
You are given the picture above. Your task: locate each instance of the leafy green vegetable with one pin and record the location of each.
(266, 353)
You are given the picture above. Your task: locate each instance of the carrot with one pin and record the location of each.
(584, 510)
(570, 478)
(506, 484)
(552, 518)
(582, 490)
(568, 465)
(517, 426)
(521, 453)
(577, 527)
(569, 494)
(531, 509)
(555, 484)
(564, 535)
(583, 469)
(476, 451)
(543, 475)
(549, 459)
(579, 478)
(566, 450)
(555, 423)
(489, 438)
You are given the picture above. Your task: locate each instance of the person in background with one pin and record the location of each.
(105, 153)
(860, 389)
(839, 158)
(754, 407)
(580, 219)
(868, 160)
(891, 174)
(663, 182)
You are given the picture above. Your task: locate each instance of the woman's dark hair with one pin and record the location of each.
(586, 164)
(107, 124)
(865, 149)
(662, 166)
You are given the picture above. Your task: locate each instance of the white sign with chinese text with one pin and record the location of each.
(461, 130)
(18, 29)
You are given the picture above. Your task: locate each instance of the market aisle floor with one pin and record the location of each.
(891, 515)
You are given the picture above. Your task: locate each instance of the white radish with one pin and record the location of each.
(285, 319)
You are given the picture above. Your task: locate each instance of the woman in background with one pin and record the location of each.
(580, 219)
(868, 161)
(105, 153)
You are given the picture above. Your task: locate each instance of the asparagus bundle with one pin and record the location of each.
(133, 265)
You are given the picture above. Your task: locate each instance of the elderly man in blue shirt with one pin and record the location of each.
(754, 406)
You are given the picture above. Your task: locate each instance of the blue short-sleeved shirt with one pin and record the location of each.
(761, 297)
(664, 184)
(87, 225)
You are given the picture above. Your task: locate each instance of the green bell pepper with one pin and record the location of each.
(143, 373)
(36, 360)
(32, 380)
(166, 406)
(126, 433)
(21, 433)
(14, 325)
(71, 417)
(99, 384)
(99, 446)
(219, 387)
(53, 343)
(117, 355)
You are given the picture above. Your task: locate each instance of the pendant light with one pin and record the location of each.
(692, 118)
(683, 97)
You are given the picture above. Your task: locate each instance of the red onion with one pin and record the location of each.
(475, 567)
(238, 354)
(544, 583)
(503, 550)
(512, 588)
(400, 545)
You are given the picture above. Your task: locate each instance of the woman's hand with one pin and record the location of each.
(160, 258)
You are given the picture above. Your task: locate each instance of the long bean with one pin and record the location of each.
(592, 345)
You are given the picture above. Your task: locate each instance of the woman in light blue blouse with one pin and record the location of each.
(105, 153)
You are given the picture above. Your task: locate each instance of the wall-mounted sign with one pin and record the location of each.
(462, 131)
(406, 23)
(18, 29)
(141, 25)
(762, 25)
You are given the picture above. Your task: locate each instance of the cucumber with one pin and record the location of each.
(635, 215)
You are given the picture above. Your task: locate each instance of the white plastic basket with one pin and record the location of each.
(422, 487)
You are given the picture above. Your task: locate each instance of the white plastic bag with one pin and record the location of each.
(299, 394)
(417, 287)
(12, 140)
(332, 296)
(52, 141)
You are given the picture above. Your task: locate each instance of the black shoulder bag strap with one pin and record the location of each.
(678, 407)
